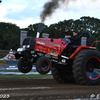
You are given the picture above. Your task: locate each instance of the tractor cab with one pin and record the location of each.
(70, 49)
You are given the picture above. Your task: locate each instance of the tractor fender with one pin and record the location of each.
(80, 48)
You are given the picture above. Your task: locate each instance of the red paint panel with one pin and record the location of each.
(50, 46)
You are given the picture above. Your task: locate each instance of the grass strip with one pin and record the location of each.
(25, 76)
(14, 71)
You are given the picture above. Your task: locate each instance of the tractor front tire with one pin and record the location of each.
(62, 75)
(86, 69)
(43, 65)
(24, 66)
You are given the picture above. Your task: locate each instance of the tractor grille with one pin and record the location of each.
(26, 41)
(30, 41)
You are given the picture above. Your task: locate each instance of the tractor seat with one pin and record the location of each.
(75, 46)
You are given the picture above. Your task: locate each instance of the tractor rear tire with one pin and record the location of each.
(43, 65)
(86, 67)
(62, 75)
(24, 66)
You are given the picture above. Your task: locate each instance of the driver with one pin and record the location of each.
(75, 41)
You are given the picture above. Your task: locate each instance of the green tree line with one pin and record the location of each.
(10, 33)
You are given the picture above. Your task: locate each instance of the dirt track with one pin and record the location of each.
(44, 89)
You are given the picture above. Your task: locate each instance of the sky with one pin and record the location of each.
(26, 12)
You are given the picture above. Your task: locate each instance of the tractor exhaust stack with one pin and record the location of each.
(41, 26)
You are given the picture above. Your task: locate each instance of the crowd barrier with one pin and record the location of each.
(8, 64)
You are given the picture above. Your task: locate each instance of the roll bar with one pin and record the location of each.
(89, 36)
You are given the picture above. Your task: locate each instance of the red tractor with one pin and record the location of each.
(82, 65)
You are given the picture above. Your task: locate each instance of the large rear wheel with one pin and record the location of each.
(86, 67)
(62, 75)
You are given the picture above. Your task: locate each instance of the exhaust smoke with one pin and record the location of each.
(50, 7)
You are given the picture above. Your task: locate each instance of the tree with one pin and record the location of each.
(9, 34)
